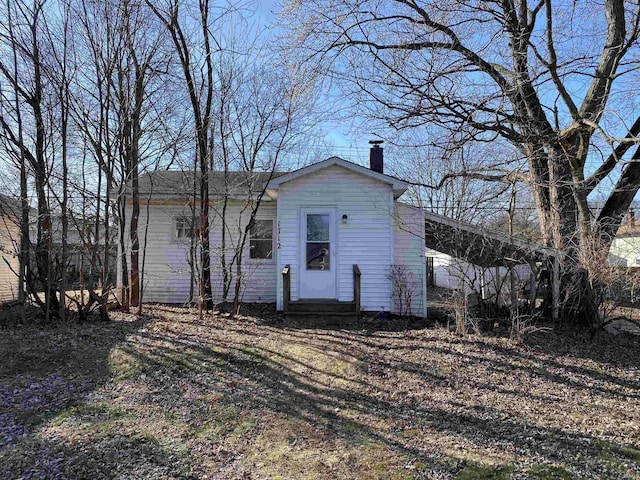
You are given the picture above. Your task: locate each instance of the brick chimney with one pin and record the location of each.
(631, 218)
(376, 157)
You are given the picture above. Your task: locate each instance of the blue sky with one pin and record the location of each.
(344, 139)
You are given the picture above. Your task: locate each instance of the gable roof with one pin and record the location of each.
(178, 185)
(398, 186)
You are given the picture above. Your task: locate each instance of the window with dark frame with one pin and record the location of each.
(261, 239)
(186, 229)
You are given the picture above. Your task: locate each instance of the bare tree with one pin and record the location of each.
(195, 57)
(436, 188)
(13, 147)
(122, 113)
(94, 118)
(60, 72)
(85, 106)
(26, 76)
(136, 66)
(261, 111)
(543, 77)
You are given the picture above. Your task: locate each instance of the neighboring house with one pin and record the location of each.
(80, 239)
(81, 244)
(446, 271)
(319, 221)
(625, 248)
(443, 270)
(9, 247)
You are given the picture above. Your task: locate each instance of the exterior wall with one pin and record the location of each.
(378, 233)
(9, 240)
(409, 250)
(366, 239)
(454, 273)
(167, 273)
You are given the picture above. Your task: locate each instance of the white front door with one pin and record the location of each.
(318, 253)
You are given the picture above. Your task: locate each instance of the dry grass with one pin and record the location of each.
(167, 396)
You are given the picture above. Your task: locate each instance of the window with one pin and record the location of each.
(185, 228)
(261, 239)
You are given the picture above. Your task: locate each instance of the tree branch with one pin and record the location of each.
(598, 93)
(610, 163)
(620, 199)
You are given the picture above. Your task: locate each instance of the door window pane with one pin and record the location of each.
(318, 256)
(317, 228)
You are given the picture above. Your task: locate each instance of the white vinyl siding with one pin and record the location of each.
(167, 272)
(365, 238)
(409, 251)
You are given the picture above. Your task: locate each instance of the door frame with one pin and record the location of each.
(333, 241)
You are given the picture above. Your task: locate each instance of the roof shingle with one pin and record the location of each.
(172, 184)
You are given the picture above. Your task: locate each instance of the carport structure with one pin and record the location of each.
(480, 246)
(488, 249)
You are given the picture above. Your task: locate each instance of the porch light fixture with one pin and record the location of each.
(344, 219)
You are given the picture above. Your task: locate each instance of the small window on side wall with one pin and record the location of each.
(261, 239)
(185, 228)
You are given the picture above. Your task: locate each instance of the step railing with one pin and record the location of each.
(286, 288)
(356, 288)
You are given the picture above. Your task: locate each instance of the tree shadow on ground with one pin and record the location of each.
(621, 352)
(48, 373)
(208, 385)
(258, 378)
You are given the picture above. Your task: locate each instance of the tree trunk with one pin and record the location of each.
(124, 272)
(134, 298)
(205, 249)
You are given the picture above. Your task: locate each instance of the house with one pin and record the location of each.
(327, 233)
(85, 254)
(625, 248)
(9, 247)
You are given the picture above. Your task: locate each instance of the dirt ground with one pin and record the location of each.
(168, 396)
